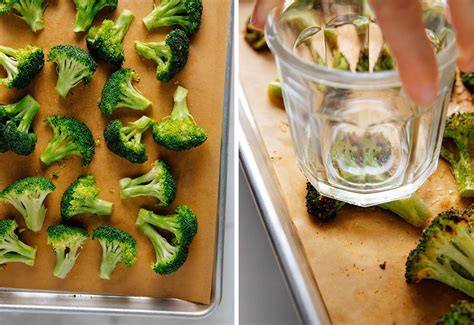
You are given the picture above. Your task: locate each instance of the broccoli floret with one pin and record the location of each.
(31, 11)
(322, 208)
(468, 81)
(126, 141)
(158, 182)
(70, 137)
(67, 243)
(73, 65)
(117, 247)
(460, 314)
(274, 88)
(255, 37)
(119, 92)
(82, 197)
(179, 130)
(22, 65)
(185, 13)
(459, 131)
(170, 55)
(105, 42)
(12, 249)
(86, 10)
(27, 195)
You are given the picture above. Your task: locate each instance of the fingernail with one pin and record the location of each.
(256, 20)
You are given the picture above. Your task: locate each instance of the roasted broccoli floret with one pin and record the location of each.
(82, 197)
(185, 13)
(119, 92)
(274, 88)
(67, 243)
(170, 254)
(86, 10)
(457, 150)
(170, 55)
(117, 247)
(460, 314)
(12, 249)
(31, 11)
(179, 130)
(158, 182)
(322, 208)
(70, 137)
(105, 41)
(27, 195)
(468, 81)
(22, 65)
(16, 120)
(255, 37)
(73, 65)
(126, 141)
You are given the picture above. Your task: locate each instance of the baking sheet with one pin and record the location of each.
(345, 255)
(196, 171)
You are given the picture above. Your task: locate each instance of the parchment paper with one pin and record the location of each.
(345, 255)
(196, 171)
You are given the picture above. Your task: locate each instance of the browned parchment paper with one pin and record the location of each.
(196, 171)
(345, 254)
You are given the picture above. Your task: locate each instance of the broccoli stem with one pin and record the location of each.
(163, 249)
(17, 251)
(122, 24)
(10, 66)
(136, 129)
(180, 108)
(412, 209)
(274, 88)
(110, 259)
(169, 222)
(131, 98)
(35, 212)
(57, 149)
(70, 74)
(64, 262)
(27, 115)
(139, 190)
(153, 51)
(160, 12)
(31, 12)
(85, 16)
(96, 206)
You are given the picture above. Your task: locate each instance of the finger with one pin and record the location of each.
(462, 15)
(403, 29)
(261, 10)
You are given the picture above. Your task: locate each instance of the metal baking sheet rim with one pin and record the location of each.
(288, 250)
(38, 301)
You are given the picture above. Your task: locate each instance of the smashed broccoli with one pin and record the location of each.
(185, 13)
(73, 65)
(274, 88)
(67, 242)
(12, 249)
(255, 37)
(82, 197)
(22, 65)
(321, 207)
(31, 11)
(117, 247)
(86, 10)
(158, 182)
(170, 55)
(119, 92)
(105, 42)
(468, 81)
(126, 141)
(70, 137)
(460, 314)
(179, 130)
(27, 195)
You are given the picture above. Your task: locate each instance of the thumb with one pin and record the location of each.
(261, 10)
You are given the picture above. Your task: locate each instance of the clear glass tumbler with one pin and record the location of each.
(357, 136)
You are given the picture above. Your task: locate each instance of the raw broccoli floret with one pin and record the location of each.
(468, 81)
(126, 141)
(67, 243)
(86, 10)
(27, 195)
(179, 130)
(255, 37)
(70, 137)
(158, 182)
(105, 41)
(119, 92)
(82, 197)
(12, 249)
(170, 55)
(31, 11)
(73, 65)
(445, 252)
(16, 120)
(117, 247)
(185, 13)
(22, 65)
(460, 314)
(459, 131)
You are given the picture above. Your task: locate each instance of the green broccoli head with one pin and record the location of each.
(322, 208)
(27, 195)
(179, 130)
(70, 137)
(82, 197)
(456, 149)
(22, 65)
(185, 13)
(31, 11)
(86, 10)
(105, 42)
(460, 314)
(117, 247)
(12, 249)
(119, 92)
(73, 65)
(255, 37)
(468, 80)
(170, 55)
(126, 141)
(158, 182)
(445, 252)
(67, 242)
